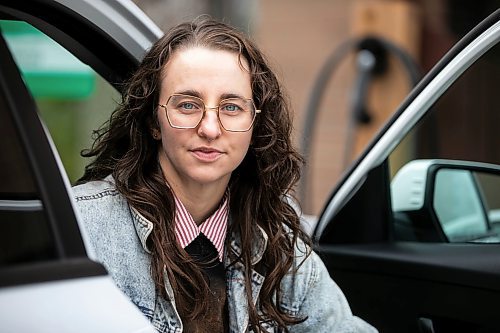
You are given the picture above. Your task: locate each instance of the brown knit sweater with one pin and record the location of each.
(216, 320)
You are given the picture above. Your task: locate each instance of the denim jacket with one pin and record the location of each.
(118, 234)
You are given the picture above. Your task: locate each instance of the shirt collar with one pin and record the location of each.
(214, 227)
(144, 228)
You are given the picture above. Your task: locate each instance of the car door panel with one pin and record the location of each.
(394, 285)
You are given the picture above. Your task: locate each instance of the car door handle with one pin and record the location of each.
(425, 325)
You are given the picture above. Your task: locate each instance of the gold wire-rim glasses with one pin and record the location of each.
(205, 107)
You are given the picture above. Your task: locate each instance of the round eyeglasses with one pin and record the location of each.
(234, 114)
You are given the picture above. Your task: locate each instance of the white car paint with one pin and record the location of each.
(92, 304)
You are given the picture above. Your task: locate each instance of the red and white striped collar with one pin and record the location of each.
(214, 227)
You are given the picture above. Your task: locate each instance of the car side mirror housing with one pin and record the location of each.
(446, 201)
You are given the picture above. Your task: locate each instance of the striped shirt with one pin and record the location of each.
(214, 227)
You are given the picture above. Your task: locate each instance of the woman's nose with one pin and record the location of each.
(209, 127)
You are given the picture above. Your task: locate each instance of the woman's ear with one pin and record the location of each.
(155, 133)
(154, 128)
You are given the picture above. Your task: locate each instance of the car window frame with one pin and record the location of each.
(110, 46)
(51, 180)
(46, 168)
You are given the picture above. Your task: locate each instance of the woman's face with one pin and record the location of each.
(207, 154)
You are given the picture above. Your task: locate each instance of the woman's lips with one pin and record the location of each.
(205, 154)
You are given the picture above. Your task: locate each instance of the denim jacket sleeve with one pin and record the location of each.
(317, 297)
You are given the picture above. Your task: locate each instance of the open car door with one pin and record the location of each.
(411, 232)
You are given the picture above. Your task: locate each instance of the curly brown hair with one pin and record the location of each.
(259, 187)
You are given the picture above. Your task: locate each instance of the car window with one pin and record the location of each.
(72, 98)
(461, 126)
(25, 235)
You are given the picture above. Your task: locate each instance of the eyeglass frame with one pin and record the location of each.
(205, 107)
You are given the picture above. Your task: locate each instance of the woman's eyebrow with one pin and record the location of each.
(195, 93)
(230, 95)
(189, 92)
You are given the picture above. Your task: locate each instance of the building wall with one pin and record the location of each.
(298, 38)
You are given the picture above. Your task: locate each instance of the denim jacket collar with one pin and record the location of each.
(143, 227)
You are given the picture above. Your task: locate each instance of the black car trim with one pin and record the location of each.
(51, 186)
(367, 225)
(445, 60)
(50, 271)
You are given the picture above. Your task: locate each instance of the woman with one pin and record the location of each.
(186, 201)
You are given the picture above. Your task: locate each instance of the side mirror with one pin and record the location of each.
(447, 200)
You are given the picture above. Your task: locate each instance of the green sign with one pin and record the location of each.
(49, 70)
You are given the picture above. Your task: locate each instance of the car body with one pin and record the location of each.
(388, 248)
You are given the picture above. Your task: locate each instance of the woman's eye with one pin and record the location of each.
(187, 106)
(231, 108)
